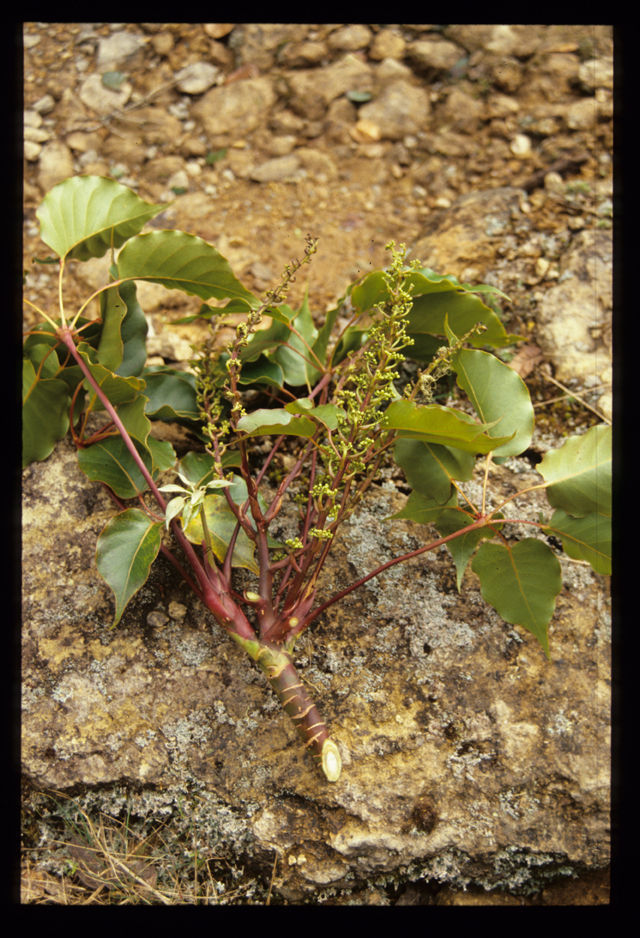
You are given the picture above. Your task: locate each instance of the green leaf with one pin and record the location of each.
(521, 581)
(422, 509)
(461, 548)
(171, 396)
(126, 550)
(430, 468)
(45, 413)
(325, 414)
(113, 309)
(221, 523)
(434, 423)
(580, 473)
(123, 393)
(133, 333)
(499, 396)
(163, 455)
(296, 357)
(181, 261)
(277, 421)
(261, 372)
(110, 461)
(586, 538)
(84, 216)
(435, 298)
(463, 310)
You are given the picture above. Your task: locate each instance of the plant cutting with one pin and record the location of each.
(336, 398)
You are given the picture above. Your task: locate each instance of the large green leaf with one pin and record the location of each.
(126, 550)
(499, 396)
(123, 393)
(84, 216)
(296, 358)
(171, 395)
(424, 510)
(430, 467)
(521, 581)
(276, 421)
(436, 297)
(45, 413)
(434, 423)
(586, 538)
(181, 261)
(110, 461)
(113, 309)
(461, 548)
(221, 523)
(580, 473)
(133, 333)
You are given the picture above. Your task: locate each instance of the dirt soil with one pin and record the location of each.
(319, 148)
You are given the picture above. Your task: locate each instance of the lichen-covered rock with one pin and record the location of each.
(468, 757)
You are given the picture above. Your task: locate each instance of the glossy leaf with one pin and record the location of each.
(123, 393)
(171, 395)
(434, 423)
(45, 413)
(435, 298)
(110, 461)
(296, 357)
(126, 550)
(499, 396)
(430, 468)
(133, 333)
(181, 261)
(261, 372)
(580, 473)
(424, 510)
(462, 548)
(113, 309)
(521, 581)
(276, 421)
(84, 216)
(585, 538)
(221, 523)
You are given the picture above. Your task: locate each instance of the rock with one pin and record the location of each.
(461, 111)
(520, 41)
(520, 146)
(258, 43)
(462, 240)
(103, 100)
(387, 44)
(157, 127)
(437, 54)
(45, 104)
(279, 169)
(297, 54)
(197, 78)
(32, 150)
(582, 114)
(313, 90)
(162, 43)
(235, 109)
(120, 49)
(54, 165)
(508, 75)
(350, 38)
(574, 316)
(469, 759)
(218, 30)
(399, 109)
(596, 73)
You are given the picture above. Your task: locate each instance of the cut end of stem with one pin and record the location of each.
(331, 761)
